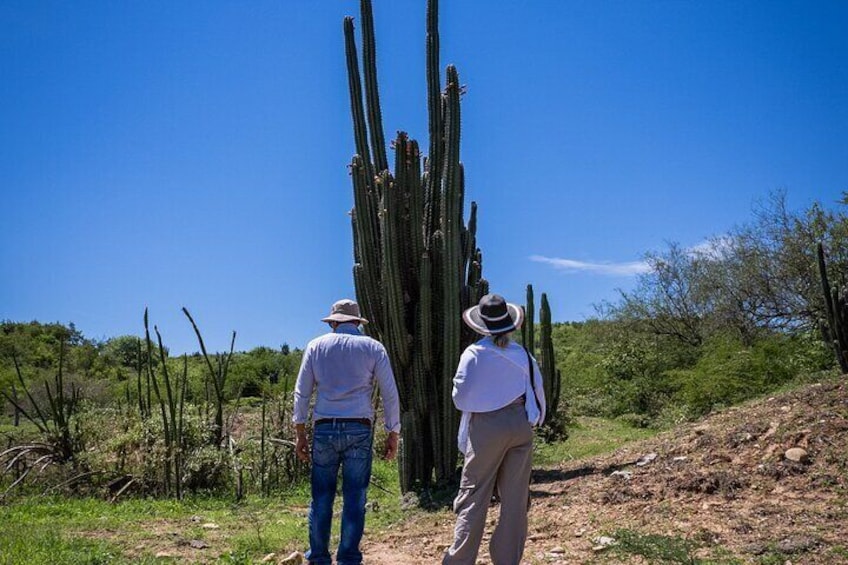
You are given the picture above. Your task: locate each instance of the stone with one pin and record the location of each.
(646, 459)
(602, 542)
(210, 526)
(198, 544)
(295, 558)
(797, 454)
(409, 501)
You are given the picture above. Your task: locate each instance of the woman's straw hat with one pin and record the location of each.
(493, 315)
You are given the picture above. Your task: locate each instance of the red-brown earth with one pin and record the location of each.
(721, 490)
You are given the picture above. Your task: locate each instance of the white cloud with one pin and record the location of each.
(715, 248)
(611, 269)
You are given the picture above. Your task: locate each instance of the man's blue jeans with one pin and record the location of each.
(333, 444)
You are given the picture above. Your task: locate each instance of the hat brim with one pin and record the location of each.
(473, 320)
(344, 318)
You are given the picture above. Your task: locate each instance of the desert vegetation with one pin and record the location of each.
(91, 427)
(123, 420)
(123, 417)
(710, 327)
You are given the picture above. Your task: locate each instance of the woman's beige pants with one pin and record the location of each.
(501, 449)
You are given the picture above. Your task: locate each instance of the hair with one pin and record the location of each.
(502, 340)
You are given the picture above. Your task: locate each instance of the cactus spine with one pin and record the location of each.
(417, 265)
(835, 328)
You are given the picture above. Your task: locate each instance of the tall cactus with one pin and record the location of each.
(551, 377)
(835, 329)
(547, 358)
(528, 336)
(416, 263)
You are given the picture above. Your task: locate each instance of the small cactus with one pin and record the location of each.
(547, 359)
(835, 326)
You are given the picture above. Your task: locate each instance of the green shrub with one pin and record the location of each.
(636, 420)
(638, 384)
(206, 469)
(729, 372)
(619, 370)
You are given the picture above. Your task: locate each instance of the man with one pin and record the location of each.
(341, 367)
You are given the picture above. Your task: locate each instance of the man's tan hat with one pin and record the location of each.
(345, 310)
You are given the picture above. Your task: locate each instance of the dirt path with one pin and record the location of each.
(719, 489)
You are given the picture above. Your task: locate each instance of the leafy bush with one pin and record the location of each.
(619, 369)
(206, 469)
(729, 372)
(636, 420)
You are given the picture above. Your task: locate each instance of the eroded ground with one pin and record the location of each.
(720, 491)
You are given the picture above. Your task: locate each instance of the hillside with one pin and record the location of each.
(721, 490)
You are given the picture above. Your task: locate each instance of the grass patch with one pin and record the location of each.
(590, 437)
(20, 544)
(654, 547)
(90, 531)
(840, 551)
(657, 548)
(76, 531)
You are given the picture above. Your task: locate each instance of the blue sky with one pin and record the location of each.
(169, 154)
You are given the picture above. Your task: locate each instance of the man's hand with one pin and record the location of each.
(301, 448)
(391, 446)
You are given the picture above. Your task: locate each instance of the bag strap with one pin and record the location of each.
(532, 379)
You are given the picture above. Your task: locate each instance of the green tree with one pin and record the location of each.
(761, 276)
(772, 267)
(126, 351)
(668, 299)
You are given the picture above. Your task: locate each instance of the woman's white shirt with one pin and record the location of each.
(489, 377)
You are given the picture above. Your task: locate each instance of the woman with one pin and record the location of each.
(499, 405)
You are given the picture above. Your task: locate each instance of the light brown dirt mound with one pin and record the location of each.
(724, 485)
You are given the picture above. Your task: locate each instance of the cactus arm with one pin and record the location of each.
(372, 95)
(529, 333)
(393, 304)
(434, 106)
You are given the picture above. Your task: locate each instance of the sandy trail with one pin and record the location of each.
(722, 485)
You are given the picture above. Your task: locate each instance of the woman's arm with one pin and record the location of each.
(463, 381)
